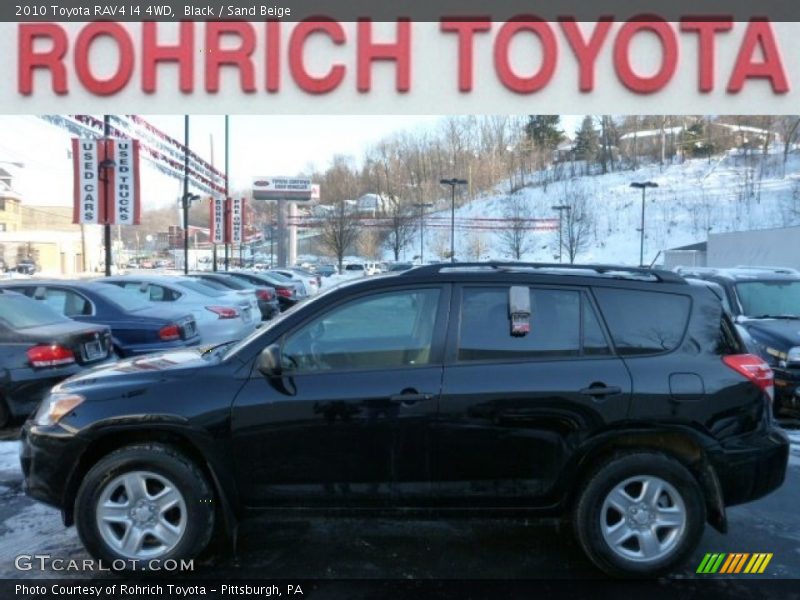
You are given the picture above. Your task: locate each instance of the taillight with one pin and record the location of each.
(50, 356)
(169, 333)
(285, 292)
(264, 294)
(755, 369)
(224, 312)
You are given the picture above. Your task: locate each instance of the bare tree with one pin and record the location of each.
(339, 230)
(517, 236)
(476, 246)
(577, 222)
(400, 221)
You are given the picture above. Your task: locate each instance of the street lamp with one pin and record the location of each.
(560, 208)
(186, 202)
(453, 183)
(643, 185)
(422, 206)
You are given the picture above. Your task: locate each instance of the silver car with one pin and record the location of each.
(220, 316)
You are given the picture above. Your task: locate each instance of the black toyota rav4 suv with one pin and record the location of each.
(620, 398)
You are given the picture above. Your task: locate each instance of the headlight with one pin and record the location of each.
(55, 407)
(793, 356)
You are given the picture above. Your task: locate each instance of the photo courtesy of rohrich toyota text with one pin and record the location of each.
(314, 299)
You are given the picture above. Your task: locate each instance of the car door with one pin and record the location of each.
(515, 407)
(348, 422)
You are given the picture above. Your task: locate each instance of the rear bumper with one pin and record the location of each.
(751, 466)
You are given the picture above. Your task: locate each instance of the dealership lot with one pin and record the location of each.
(387, 548)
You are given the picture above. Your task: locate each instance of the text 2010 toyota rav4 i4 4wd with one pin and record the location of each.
(620, 397)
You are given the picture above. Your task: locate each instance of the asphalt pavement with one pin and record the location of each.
(403, 548)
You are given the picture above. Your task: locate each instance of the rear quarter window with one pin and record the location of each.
(644, 322)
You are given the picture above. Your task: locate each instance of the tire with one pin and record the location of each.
(658, 530)
(174, 525)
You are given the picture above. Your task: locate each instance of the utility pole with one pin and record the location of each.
(560, 208)
(213, 245)
(642, 185)
(453, 182)
(422, 206)
(185, 199)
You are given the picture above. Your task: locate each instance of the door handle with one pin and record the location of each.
(409, 398)
(601, 390)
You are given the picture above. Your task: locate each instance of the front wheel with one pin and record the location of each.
(144, 502)
(640, 515)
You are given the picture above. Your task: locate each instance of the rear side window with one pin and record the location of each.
(556, 315)
(644, 322)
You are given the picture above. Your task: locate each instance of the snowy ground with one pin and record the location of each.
(399, 549)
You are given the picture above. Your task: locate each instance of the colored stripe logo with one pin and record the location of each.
(734, 563)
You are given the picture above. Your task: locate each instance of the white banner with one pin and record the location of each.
(125, 153)
(237, 220)
(217, 221)
(88, 203)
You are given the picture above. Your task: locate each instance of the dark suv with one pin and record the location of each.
(765, 302)
(621, 398)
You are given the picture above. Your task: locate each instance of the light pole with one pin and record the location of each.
(560, 208)
(643, 185)
(422, 206)
(453, 183)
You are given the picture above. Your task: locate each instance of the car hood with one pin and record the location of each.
(780, 334)
(151, 367)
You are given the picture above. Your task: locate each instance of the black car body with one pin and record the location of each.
(38, 349)
(766, 303)
(289, 292)
(136, 326)
(266, 294)
(444, 390)
(26, 267)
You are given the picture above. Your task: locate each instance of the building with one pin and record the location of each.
(10, 214)
(693, 255)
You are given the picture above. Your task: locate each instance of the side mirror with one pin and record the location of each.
(268, 362)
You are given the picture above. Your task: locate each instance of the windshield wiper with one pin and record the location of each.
(776, 317)
(217, 346)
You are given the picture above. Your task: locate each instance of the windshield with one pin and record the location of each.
(769, 298)
(122, 298)
(18, 311)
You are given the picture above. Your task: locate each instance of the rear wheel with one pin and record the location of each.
(640, 514)
(144, 502)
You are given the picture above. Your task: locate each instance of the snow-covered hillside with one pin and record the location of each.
(693, 198)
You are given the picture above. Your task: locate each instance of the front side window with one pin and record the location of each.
(387, 330)
(555, 326)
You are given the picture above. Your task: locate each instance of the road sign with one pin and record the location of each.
(295, 189)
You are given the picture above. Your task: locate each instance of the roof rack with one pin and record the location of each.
(617, 271)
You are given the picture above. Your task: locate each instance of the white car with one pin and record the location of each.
(373, 268)
(310, 282)
(352, 270)
(220, 316)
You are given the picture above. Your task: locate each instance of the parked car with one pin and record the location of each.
(220, 316)
(26, 267)
(765, 302)
(137, 327)
(39, 348)
(311, 282)
(354, 270)
(326, 270)
(266, 295)
(289, 292)
(373, 268)
(620, 398)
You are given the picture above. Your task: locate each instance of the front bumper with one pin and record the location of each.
(787, 391)
(751, 466)
(48, 456)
